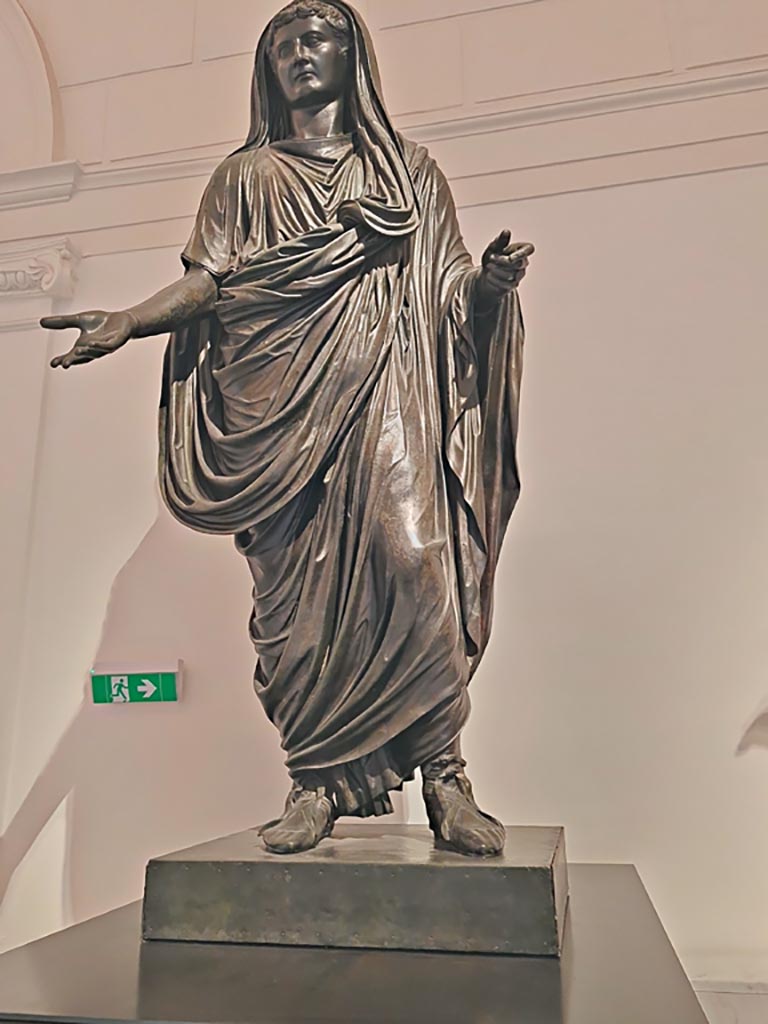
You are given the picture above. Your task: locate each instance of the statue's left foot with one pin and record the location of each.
(308, 818)
(454, 817)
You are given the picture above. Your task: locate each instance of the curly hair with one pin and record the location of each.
(336, 19)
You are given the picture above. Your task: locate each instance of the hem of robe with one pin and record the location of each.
(361, 787)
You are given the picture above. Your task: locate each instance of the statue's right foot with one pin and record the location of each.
(308, 818)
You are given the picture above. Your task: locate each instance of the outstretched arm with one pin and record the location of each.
(102, 333)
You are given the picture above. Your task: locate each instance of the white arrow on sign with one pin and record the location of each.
(148, 688)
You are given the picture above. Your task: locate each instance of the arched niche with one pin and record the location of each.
(26, 94)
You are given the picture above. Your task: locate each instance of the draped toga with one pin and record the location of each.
(351, 418)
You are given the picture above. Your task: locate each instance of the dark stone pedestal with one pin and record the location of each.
(366, 888)
(617, 968)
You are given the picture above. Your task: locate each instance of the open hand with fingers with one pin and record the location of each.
(101, 333)
(505, 264)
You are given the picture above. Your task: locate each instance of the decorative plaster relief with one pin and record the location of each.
(29, 272)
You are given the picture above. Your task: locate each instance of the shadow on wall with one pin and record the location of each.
(143, 781)
(756, 734)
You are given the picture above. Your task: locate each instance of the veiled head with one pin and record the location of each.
(388, 201)
(309, 63)
(347, 63)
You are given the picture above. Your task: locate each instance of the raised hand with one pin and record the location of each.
(505, 264)
(101, 333)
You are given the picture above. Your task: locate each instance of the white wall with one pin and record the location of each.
(631, 640)
(27, 115)
(627, 662)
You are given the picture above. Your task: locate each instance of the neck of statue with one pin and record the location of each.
(320, 122)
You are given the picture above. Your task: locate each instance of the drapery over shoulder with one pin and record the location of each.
(261, 395)
(229, 204)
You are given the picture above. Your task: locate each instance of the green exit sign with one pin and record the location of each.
(118, 686)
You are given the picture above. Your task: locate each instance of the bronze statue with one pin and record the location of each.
(340, 394)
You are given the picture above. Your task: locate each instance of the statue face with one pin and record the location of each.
(310, 62)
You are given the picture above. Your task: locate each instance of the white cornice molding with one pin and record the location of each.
(591, 106)
(662, 163)
(40, 270)
(463, 127)
(742, 988)
(36, 186)
(148, 173)
(23, 323)
(59, 182)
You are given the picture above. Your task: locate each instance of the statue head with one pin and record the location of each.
(309, 44)
(315, 51)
